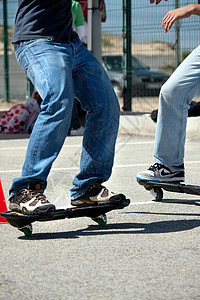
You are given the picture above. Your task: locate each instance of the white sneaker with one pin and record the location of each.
(97, 194)
(31, 200)
(163, 173)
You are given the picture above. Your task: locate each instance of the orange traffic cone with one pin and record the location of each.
(3, 206)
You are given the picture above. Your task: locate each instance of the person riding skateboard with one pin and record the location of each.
(56, 62)
(174, 100)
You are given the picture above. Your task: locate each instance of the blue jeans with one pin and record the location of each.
(56, 70)
(174, 100)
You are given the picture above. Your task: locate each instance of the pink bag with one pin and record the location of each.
(14, 120)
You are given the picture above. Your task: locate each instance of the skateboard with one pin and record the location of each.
(156, 188)
(97, 213)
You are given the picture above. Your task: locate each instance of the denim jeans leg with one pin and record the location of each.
(174, 100)
(49, 65)
(96, 95)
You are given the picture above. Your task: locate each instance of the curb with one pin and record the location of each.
(143, 125)
(137, 125)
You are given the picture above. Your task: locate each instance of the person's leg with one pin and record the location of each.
(49, 66)
(96, 95)
(174, 100)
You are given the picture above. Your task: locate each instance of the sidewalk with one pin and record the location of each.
(5, 106)
(143, 125)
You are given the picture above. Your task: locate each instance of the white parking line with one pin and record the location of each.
(79, 145)
(144, 202)
(25, 147)
(13, 148)
(115, 166)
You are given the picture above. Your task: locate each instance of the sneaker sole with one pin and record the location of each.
(41, 210)
(87, 202)
(178, 179)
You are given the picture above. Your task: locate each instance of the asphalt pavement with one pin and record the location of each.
(149, 250)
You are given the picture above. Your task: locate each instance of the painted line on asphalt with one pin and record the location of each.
(144, 202)
(24, 148)
(77, 168)
(79, 145)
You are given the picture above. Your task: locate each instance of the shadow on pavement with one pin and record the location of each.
(121, 228)
(180, 201)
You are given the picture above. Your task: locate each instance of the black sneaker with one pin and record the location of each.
(97, 194)
(31, 200)
(162, 173)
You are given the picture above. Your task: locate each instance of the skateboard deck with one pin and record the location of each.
(157, 188)
(97, 213)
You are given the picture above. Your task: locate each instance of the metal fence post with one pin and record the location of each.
(177, 39)
(29, 88)
(127, 54)
(89, 20)
(94, 29)
(96, 32)
(6, 66)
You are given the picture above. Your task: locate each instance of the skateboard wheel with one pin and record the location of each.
(27, 230)
(101, 220)
(157, 193)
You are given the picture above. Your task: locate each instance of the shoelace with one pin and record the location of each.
(155, 167)
(39, 196)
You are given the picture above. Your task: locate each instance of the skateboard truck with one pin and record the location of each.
(156, 188)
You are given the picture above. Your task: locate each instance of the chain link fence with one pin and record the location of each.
(16, 77)
(155, 54)
(160, 52)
